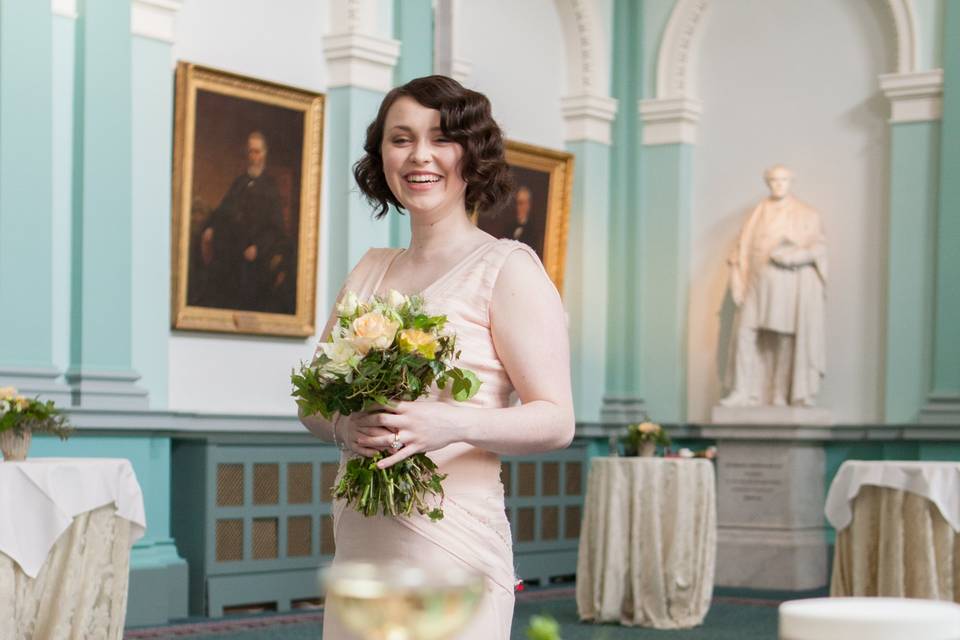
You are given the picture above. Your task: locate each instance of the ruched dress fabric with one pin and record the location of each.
(474, 532)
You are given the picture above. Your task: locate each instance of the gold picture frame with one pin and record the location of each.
(247, 158)
(538, 213)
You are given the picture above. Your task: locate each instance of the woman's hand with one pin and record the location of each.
(360, 433)
(419, 426)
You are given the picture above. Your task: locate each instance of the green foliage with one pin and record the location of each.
(637, 434)
(396, 491)
(39, 417)
(543, 627)
(400, 372)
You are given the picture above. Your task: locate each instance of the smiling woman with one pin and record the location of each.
(435, 152)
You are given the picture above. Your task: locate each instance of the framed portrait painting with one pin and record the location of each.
(246, 197)
(538, 212)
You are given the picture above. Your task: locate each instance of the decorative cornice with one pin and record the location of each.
(361, 60)
(670, 120)
(155, 19)
(914, 97)
(588, 117)
(65, 8)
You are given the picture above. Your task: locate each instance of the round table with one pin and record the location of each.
(648, 542)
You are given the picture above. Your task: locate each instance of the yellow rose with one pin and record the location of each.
(21, 402)
(7, 393)
(414, 340)
(649, 427)
(373, 330)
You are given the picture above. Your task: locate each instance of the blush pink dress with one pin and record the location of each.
(474, 531)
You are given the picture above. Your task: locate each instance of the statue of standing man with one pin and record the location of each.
(778, 274)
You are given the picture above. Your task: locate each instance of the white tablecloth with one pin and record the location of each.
(938, 482)
(40, 497)
(648, 543)
(897, 529)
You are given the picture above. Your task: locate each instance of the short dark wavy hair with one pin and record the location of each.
(465, 118)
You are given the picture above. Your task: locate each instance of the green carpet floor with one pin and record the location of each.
(730, 618)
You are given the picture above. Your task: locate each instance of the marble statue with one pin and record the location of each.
(778, 274)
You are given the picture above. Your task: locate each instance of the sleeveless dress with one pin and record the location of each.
(474, 531)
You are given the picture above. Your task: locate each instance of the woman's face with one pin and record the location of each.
(421, 165)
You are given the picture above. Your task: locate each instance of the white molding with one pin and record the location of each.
(588, 63)
(670, 120)
(155, 19)
(679, 50)
(588, 117)
(914, 97)
(353, 16)
(905, 31)
(65, 8)
(361, 60)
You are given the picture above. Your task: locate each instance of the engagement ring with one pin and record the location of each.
(396, 445)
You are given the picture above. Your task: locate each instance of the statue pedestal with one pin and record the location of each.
(770, 415)
(770, 523)
(771, 531)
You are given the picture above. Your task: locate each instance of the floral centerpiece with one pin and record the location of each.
(642, 439)
(382, 350)
(21, 416)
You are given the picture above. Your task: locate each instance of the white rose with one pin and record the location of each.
(4, 406)
(685, 453)
(348, 304)
(338, 351)
(334, 369)
(396, 299)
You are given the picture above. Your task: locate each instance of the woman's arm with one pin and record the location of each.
(529, 330)
(530, 335)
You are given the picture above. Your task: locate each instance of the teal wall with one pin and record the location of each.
(152, 105)
(585, 281)
(102, 190)
(351, 227)
(666, 173)
(914, 179)
(26, 179)
(64, 41)
(413, 26)
(624, 375)
(946, 354)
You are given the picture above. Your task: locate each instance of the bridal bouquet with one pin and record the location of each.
(383, 350)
